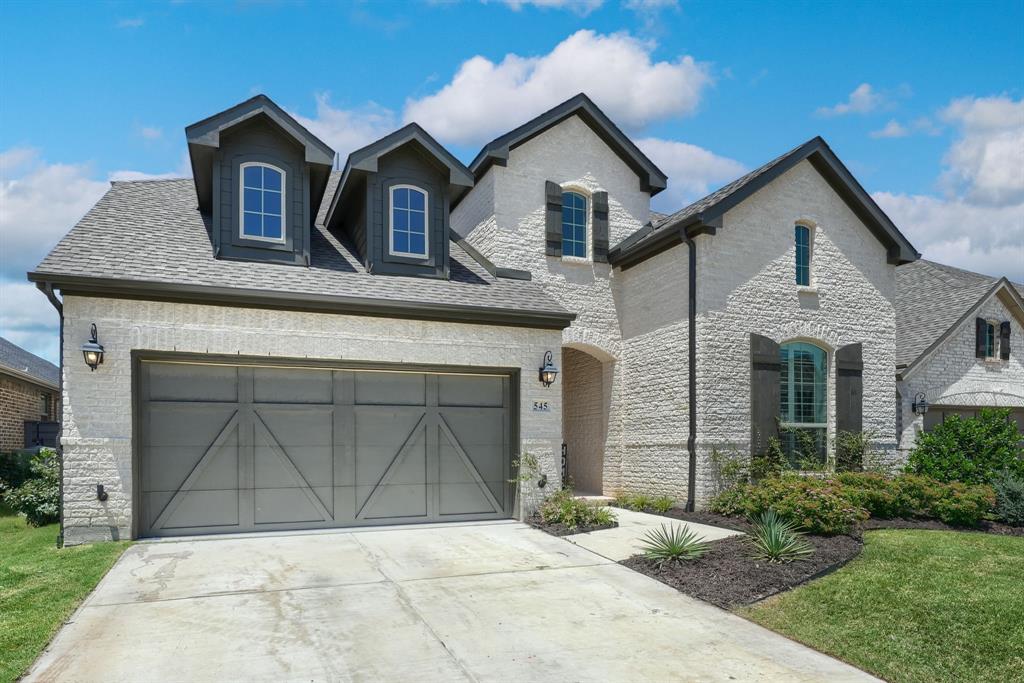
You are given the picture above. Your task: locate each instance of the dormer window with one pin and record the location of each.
(262, 202)
(408, 229)
(574, 225)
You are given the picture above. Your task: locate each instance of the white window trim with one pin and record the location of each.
(994, 358)
(241, 203)
(588, 217)
(829, 387)
(426, 223)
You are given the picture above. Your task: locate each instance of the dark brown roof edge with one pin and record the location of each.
(321, 303)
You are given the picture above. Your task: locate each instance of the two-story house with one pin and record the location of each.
(280, 345)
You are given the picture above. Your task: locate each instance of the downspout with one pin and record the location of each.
(691, 440)
(47, 289)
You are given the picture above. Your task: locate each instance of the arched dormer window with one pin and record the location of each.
(803, 255)
(574, 224)
(263, 201)
(803, 401)
(408, 222)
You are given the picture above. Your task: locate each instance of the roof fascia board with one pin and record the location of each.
(1001, 285)
(252, 298)
(25, 377)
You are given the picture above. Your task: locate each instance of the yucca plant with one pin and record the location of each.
(776, 539)
(673, 544)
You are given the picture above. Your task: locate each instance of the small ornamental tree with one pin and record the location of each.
(970, 450)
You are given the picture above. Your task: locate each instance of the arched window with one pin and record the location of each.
(574, 224)
(263, 201)
(803, 255)
(803, 387)
(408, 221)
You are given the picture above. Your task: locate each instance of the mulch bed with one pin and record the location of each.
(997, 528)
(559, 529)
(727, 576)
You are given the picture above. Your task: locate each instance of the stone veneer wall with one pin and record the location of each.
(97, 428)
(953, 376)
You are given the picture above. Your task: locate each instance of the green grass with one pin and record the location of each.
(40, 586)
(916, 606)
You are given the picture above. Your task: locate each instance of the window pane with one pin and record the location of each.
(272, 227)
(254, 176)
(401, 198)
(803, 255)
(401, 220)
(271, 179)
(401, 240)
(272, 203)
(803, 389)
(416, 200)
(417, 244)
(416, 222)
(252, 225)
(253, 200)
(567, 215)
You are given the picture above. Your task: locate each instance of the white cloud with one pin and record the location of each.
(986, 163)
(893, 129)
(862, 100)
(28, 320)
(987, 239)
(151, 132)
(348, 129)
(485, 98)
(642, 5)
(580, 7)
(692, 171)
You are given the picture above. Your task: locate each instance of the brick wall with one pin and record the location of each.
(97, 427)
(19, 401)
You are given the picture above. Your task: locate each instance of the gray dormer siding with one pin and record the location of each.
(259, 140)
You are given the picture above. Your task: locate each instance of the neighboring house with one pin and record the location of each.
(29, 399)
(291, 347)
(959, 346)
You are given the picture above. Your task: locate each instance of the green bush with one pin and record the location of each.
(662, 504)
(970, 450)
(673, 543)
(1009, 498)
(816, 505)
(38, 497)
(769, 464)
(562, 507)
(776, 539)
(14, 469)
(853, 451)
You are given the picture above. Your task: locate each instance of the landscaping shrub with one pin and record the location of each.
(776, 539)
(662, 504)
(14, 469)
(563, 508)
(673, 544)
(970, 450)
(1009, 498)
(38, 497)
(853, 451)
(769, 464)
(816, 505)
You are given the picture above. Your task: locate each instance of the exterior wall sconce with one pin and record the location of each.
(92, 350)
(920, 405)
(548, 371)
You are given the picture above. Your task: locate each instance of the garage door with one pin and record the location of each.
(227, 448)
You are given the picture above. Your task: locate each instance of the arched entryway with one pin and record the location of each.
(586, 399)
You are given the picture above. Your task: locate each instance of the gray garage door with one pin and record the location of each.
(239, 448)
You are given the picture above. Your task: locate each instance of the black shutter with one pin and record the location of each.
(553, 220)
(979, 337)
(600, 221)
(765, 365)
(849, 389)
(1004, 340)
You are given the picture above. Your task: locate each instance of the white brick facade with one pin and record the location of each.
(952, 375)
(97, 416)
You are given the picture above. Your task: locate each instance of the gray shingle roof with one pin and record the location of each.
(15, 358)
(930, 298)
(152, 232)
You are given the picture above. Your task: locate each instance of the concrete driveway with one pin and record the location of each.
(476, 602)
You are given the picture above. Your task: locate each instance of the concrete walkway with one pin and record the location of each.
(625, 540)
(475, 602)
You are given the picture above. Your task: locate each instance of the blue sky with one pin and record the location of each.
(923, 101)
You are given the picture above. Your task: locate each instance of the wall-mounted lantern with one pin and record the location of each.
(93, 350)
(548, 371)
(920, 405)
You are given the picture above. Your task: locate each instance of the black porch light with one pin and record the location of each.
(920, 405)
(92, 350)
(548, 371)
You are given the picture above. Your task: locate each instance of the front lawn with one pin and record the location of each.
(915, 606)
(40, 586)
